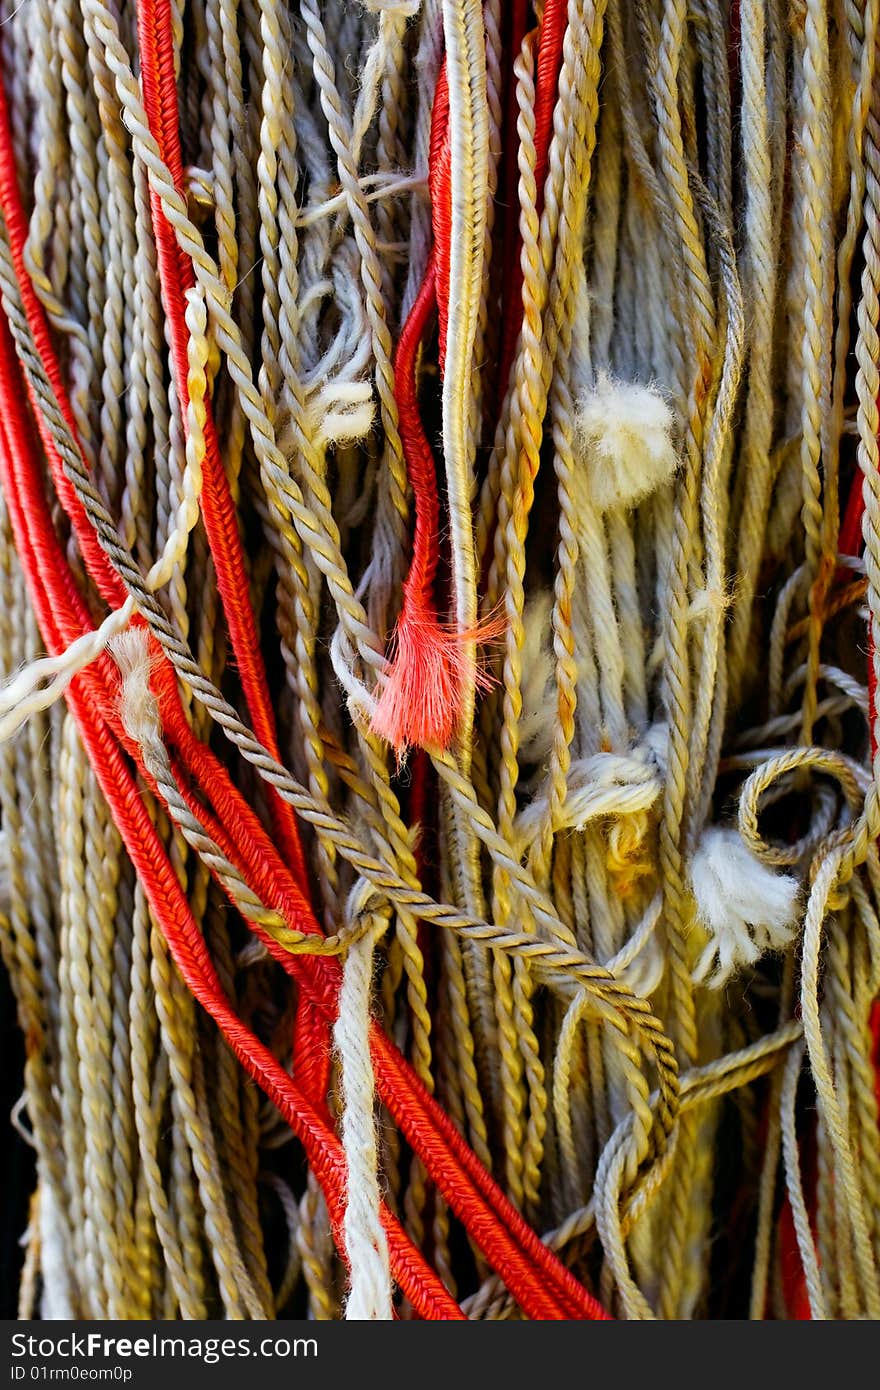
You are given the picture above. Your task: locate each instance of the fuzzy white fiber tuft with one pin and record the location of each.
(137, 708)
(341, 413)
(56, 1303)
(624, 433)
(745, 906)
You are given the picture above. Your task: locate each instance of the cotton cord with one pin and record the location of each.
(369, 1295)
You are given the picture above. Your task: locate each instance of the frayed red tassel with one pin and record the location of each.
(421, 702)
(423, 697)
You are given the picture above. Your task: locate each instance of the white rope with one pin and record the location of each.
(369, 1294)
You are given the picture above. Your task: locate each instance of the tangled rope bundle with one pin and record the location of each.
(439, 545)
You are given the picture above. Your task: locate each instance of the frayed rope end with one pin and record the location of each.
(745, 908)
(422, 701)
(138, 707)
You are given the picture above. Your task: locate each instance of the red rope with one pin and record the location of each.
(420, 465)
(440, 189)
(421, 702)
(177, 276)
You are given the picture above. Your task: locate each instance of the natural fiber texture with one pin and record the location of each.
(439, 545)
